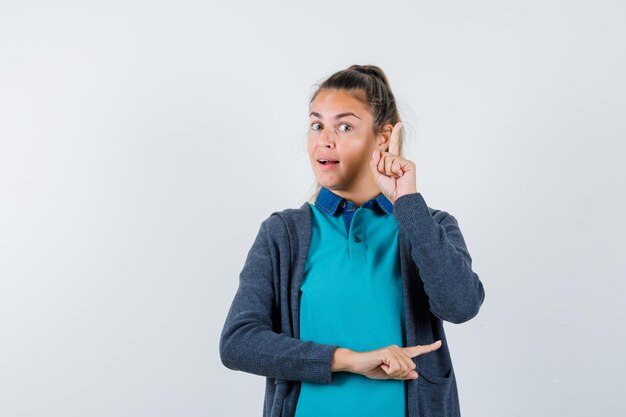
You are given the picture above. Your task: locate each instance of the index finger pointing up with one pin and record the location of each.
(394, 141)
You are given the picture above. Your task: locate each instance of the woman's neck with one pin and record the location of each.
(361, 194)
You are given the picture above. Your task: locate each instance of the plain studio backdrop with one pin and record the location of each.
(142, 143)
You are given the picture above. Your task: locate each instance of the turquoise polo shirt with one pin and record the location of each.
(351, 296)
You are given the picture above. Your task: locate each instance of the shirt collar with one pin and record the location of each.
(330, 202)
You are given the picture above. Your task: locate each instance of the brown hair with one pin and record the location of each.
(369, 84)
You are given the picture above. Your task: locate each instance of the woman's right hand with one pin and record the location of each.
(391, 362)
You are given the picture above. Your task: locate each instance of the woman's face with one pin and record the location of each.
(340, 129)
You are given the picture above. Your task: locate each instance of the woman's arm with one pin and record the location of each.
(438, 249)
(247, 341)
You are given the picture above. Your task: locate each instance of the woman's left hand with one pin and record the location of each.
(395, 176)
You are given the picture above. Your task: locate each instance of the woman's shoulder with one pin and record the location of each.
(279, 221)
(292, 212)
(415, 203)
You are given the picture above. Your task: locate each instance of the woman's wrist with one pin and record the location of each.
(341, 360)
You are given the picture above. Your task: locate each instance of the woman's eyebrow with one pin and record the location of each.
(336, 117)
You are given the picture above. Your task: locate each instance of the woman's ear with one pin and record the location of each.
(384, 136)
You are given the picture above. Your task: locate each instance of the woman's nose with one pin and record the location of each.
(326, 140)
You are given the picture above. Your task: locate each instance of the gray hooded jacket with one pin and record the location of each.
(261, 332)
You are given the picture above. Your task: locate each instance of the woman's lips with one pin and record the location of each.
(328, 165)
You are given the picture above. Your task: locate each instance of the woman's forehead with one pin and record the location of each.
(334, 102)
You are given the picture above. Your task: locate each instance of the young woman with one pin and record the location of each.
(341, 302)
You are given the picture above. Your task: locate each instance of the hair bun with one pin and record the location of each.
(373, 70)
(364, 70)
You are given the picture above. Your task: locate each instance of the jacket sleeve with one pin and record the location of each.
(248, 342)
(438, 249)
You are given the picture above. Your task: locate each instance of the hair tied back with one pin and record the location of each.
(363, 70)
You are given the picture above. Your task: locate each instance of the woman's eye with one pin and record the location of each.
(317, 126)
(345, 124)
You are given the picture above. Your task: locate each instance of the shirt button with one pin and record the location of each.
(343, 204)
(357, 239)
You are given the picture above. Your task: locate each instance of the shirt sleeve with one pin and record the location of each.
(439, 251)
(248, 342)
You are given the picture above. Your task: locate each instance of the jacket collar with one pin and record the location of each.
(330, 203)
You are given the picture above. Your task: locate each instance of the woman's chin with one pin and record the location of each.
(326, 180)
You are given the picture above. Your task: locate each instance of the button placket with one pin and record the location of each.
(356, 246)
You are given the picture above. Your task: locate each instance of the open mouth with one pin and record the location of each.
(327, 161)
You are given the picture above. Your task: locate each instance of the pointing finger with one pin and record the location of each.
(394, 141)
(413, 351)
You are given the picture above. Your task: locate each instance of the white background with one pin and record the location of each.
(143, 142)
